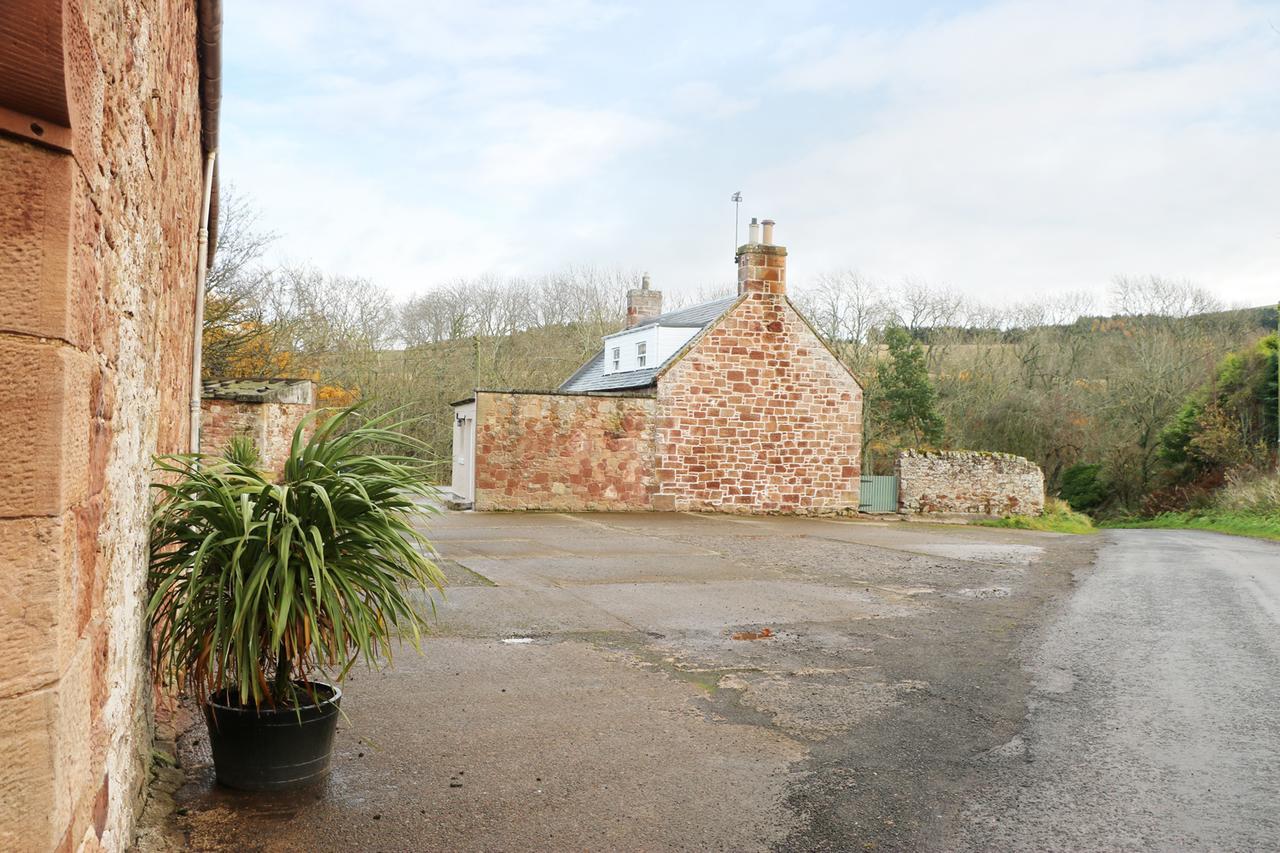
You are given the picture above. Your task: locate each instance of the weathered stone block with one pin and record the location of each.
(33, 807)
(44, 427)
(37, 567)
(38, 296)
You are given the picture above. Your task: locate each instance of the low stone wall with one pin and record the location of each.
(968, 482)
(563, 452)
(270, 425)
(265, 410)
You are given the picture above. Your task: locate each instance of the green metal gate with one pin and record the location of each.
(878, 494)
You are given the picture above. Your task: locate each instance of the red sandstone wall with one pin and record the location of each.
(278, 423)
(223, 420)
(563, 452)
(97, 274)
(759, 417)
(270, 425)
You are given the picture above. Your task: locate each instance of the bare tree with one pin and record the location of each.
(848, 309)
(235, 284)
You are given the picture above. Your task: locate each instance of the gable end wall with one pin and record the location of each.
(759, 416)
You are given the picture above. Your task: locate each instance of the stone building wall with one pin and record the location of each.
(279, 422)
(968, 482)
(563, 452)
(759, 416)
(98, 218)
(269, 424)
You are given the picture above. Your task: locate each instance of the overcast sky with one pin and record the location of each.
(1002, 149)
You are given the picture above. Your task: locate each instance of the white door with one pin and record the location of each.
(464, 451)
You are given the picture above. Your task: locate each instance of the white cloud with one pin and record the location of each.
(1011, 148)
(531, 146)
(706, 99)
(1033, 147)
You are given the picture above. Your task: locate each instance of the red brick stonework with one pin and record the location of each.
(563, 452)
(759, 417)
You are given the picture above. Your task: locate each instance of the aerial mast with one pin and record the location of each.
(736, 198)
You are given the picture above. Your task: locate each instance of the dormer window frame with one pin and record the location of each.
(617, 358)
(642, 354)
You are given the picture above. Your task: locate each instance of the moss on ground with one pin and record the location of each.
(1058, 517)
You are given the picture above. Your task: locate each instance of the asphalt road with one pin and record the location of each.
(1154, 713)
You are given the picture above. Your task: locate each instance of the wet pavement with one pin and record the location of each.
(1155, 708)
(630, 718)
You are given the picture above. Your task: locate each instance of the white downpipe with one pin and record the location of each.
(202, 273)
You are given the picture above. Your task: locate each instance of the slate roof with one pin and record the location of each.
(258, 390)
(694, 317)
(591, 376)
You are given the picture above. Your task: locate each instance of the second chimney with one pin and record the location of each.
(643, 304)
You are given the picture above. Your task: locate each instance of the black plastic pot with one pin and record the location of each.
(271, 749)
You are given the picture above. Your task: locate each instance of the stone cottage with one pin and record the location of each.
(108, 120)
(735, 405)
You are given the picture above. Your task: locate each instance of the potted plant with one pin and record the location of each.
(260, 587)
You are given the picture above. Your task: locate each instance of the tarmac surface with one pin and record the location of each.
(584, 690)
(1155, 708)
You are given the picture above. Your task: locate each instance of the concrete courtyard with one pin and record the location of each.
(584, 689)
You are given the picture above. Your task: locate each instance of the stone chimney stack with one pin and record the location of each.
(643, 304)
(762, 266)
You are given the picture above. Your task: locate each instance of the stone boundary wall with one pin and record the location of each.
(968, 482)
(270, 425)
(563, 452)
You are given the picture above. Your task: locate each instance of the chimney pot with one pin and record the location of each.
(768, 232)
(644, 282)
(753, 232)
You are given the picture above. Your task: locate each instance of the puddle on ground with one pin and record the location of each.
(985, 592)
(1012, 749)
(985, 552)
(817, 708)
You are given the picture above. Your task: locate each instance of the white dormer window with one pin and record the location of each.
(617, 357)
(641, 352)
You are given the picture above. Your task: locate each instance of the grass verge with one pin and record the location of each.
(1058, 517)
(1219, 521)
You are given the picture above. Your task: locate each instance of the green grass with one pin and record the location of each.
(1058, 517)
(1219, 521)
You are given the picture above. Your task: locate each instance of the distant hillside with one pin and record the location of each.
(1263, 317)
(1250, 321)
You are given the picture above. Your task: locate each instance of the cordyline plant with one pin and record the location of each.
(257, 585)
